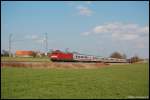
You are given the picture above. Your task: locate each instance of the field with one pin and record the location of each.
(115, 81)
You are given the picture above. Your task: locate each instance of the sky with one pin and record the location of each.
(89, 27)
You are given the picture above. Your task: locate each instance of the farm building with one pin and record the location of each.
(24, 53)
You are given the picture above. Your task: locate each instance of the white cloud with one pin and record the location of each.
(84, 11)
(120, 30)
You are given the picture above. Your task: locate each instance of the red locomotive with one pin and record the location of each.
(61, 56)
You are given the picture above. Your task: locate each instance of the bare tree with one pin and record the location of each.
(135, 59)
(116, 55)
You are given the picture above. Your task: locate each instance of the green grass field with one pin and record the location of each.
(117, 81)
(45, 59)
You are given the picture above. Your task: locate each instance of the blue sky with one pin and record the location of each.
(89, 27)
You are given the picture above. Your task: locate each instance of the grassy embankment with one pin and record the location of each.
(45, 59)
(117, 81)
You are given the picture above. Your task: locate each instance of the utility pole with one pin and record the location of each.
(10, 40)
(46, 42)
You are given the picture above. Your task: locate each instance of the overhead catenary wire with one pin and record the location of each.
(11, 41)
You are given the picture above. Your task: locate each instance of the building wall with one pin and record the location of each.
(24, 53)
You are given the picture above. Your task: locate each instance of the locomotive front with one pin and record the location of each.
(61, 56)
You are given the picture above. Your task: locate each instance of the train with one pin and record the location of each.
(60, 56)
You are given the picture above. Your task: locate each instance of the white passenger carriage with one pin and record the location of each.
(88, 58)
